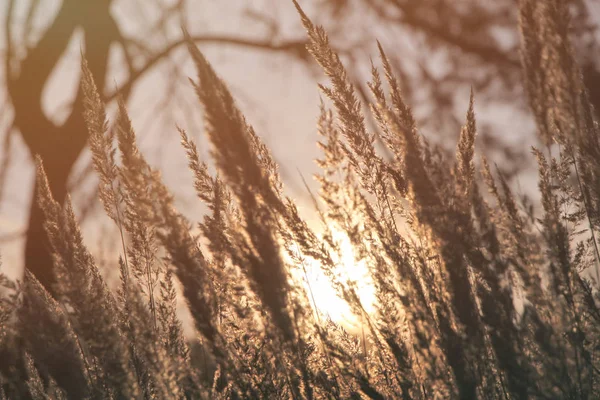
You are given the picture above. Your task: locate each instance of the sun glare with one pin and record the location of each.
(326, 301)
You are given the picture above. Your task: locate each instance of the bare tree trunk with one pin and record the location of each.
(37, 255)
(58, 146)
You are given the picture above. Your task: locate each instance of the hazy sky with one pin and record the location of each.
(278, 95)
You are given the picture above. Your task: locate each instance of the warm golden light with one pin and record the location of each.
(350, 271)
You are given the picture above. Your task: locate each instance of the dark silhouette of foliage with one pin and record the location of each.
(475, 297)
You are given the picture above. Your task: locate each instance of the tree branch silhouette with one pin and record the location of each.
(59, 145)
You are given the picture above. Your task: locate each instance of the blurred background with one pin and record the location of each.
(440, 49)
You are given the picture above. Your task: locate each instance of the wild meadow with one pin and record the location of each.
(477, 294)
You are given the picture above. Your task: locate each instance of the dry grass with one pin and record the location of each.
(476, 297)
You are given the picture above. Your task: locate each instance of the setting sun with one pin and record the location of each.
(349, 271)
